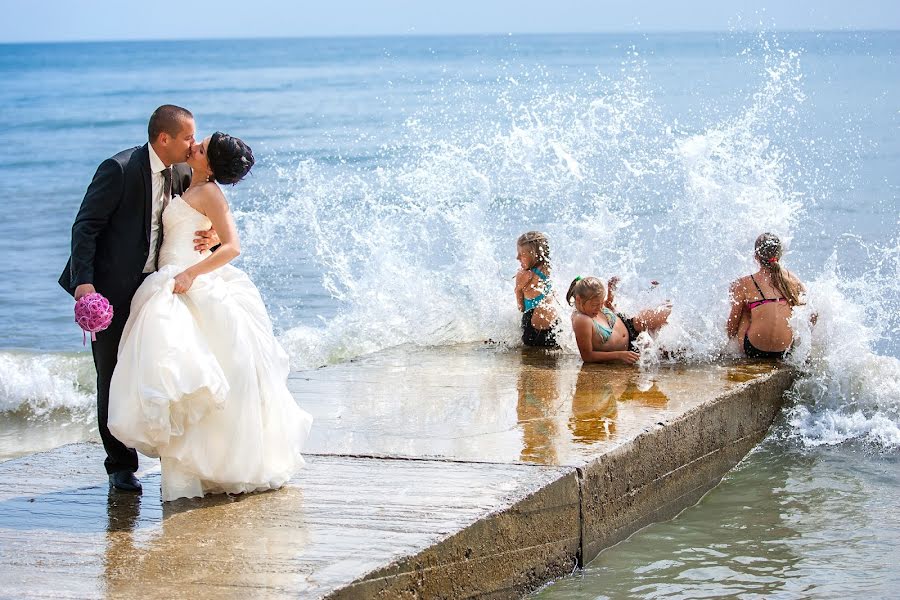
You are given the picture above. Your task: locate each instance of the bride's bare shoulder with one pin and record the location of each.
(210, 196)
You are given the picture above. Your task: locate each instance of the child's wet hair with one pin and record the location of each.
(539, 245)
(768, 250)
(585, 288)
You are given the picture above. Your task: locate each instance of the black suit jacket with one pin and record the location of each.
(111, 234)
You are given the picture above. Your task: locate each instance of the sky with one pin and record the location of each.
(94, 20)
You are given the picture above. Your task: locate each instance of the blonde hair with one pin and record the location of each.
(539, 246)
(585, 288)
(768, 250)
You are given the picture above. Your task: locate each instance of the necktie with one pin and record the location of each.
(166, 196)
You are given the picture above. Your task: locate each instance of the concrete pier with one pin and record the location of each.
(469, 472)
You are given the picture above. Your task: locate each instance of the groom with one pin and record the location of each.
(115, 241)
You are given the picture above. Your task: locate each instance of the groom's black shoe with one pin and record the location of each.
(125, 481)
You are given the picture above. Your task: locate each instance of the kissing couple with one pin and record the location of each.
(189, 370)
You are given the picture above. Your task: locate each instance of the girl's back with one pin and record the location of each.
(767, 311)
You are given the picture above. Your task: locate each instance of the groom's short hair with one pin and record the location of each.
(167, 119)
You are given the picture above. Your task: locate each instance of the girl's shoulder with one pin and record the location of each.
(524, 276)
(582, 325)
(740, 285)
(578, 317)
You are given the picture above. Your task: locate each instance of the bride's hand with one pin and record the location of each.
(183, 282)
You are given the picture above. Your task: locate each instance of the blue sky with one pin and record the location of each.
(72, 20)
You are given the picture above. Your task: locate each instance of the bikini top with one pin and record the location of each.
(531, 303)
(755, 303)
(602, 330)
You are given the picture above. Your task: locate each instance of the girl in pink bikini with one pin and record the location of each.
(761, 303)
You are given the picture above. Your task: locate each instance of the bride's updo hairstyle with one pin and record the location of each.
(230, 159)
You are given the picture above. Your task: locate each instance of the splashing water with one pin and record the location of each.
(845, 391)
(420, 249)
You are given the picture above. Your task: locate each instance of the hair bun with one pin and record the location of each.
(230, 158)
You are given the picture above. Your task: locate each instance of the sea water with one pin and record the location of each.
(394, 175)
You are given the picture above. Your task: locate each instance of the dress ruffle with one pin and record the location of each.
(201, 382)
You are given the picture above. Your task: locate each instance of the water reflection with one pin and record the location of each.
(491, 403)
(538, 406)
(594, 405)
(603, 397)
(745, 370)
(644, 390)
(220, 543)
(122, 511)
(566, 413)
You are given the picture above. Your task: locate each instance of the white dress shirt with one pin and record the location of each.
(158, 196)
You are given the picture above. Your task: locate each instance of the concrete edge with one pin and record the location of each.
(568, 522)
(503, 555)
(671, 466)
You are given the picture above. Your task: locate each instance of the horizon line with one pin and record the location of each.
(441, 35)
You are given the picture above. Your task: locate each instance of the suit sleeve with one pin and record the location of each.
(100, 202)
(185, 172)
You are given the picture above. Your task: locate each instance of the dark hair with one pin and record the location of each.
(167, 119)
(768, 252)
(230, 159)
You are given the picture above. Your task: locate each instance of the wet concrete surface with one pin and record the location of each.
(63, 534)
(431, 473)
(484, 403)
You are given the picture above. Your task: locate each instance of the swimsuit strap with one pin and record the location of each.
(758, 289)
(545, 279)
(753, 304)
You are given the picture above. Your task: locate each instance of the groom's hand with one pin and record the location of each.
(83, 290)
(206, 239)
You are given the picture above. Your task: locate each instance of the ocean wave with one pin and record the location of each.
(845, 391)
(38, 384)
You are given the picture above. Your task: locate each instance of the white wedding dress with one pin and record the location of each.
(201, 381)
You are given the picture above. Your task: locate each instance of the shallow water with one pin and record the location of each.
(786, 523)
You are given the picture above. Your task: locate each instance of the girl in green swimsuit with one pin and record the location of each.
(601, 334)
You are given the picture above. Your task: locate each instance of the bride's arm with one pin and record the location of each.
(213, 204)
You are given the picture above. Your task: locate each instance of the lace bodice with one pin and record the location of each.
(180, 221)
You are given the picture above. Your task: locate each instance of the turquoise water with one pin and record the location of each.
(395, 173)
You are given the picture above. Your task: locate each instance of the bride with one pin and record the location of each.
(200, 380)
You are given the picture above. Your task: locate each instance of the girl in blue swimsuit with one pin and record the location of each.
(534, 290)
(603, 335)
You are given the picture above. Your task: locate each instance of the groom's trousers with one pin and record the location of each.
(119, 457)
